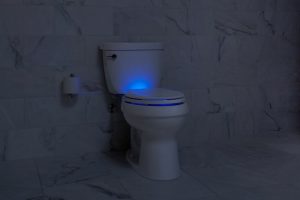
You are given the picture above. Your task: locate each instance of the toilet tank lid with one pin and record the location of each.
(154, 94)
(131, 46)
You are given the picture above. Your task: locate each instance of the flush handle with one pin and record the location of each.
(113, 57)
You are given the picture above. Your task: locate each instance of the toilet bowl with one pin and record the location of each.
(156, 114)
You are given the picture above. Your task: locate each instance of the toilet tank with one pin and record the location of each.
(132, 66)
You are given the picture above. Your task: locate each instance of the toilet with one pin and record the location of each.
(155, 114)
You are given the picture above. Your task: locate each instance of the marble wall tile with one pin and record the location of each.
(173, 4)
(175, 79)
(199, 101)
(178, 53)
(12, 114)
(78, 140)
(236, 23)
(196, 52)
(8, 2)
(195, 130)
(231, 5)
(68, 2)
(38, 2)
(133, 22)
(220, 126)
(243, 125)
(29, 143)
(177, 22)
(235, 75)
(287, 51)
(289, 5)
(287, 121)
(22, 83)
(137, 4)
(222, 98)
(266, 123)
(54, 141)
(201, 23)
(205, 51)
(26, 20)
(256, 5)
(52, 52)
(288, 31)
(45, 112)
(236, 60)
(3, 145)
(8, 53)
(98, 109)
(81, 20)
(282, 97)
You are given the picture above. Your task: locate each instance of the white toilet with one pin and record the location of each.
(156, 114)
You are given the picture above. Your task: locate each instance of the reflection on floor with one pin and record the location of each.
(260, 169)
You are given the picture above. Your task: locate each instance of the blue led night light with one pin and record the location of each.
(143, 104)
(138, 79)
(139, 85)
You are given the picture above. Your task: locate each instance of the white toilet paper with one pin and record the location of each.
(71, 85)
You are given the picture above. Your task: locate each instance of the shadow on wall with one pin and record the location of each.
(119, 128)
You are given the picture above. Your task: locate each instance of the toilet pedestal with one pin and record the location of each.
(158, 157)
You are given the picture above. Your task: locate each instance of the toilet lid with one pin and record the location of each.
(154, 94)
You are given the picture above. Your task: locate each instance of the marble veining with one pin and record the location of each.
(109, 192)
(237, 62)
(262, 168)
(68, 18)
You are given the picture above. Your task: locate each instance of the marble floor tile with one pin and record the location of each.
(254, 170)
(19, 173)
(104, 188)
(63, 170)
(230, 181)
(251, 170)
(118, 164)
(286, 142)
(277, 192)
(287, 174)
(20, 193)
(255, 156)
(183, 188)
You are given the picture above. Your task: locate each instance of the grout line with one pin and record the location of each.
(201, 183)
(122, 186)
(39, 176)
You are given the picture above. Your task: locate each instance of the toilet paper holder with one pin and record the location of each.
(71, 85)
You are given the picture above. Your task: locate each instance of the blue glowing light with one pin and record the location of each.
(138, 85)
(143, 104)
(137, 78)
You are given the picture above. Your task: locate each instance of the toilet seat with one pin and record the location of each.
(156, 102)
(154, 97)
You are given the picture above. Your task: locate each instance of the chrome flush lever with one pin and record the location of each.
(113, 57)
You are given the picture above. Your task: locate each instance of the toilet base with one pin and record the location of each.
(158, 158)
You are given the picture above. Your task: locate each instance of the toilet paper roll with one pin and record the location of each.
(71, 85)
